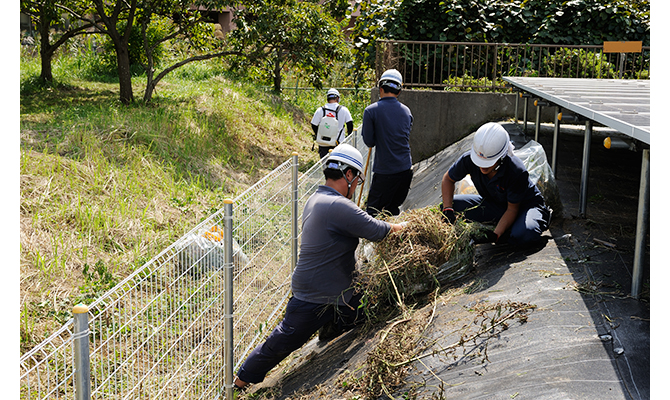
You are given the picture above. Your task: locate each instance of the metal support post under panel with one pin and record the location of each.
(82, 361)
(538, 122)
(294, 214)
(554, 147)
(516, 109)
(642, 223)
(525, 112)
(538, 111)
(228, 299)
(583, 190)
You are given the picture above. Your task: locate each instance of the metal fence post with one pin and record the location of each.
(294, 215)
(228, 298)
(82, 362)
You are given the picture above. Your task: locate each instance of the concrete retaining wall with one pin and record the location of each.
(442, 118)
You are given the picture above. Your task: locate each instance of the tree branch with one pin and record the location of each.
(192, 59)
(171, 68)
(103, 17)
(70, 34)
(132, 7)
(464, 340)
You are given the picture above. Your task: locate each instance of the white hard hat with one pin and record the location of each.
(332, 92)
(491, 143)
(391, 76)
(345, 155)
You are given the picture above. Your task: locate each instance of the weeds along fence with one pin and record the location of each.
(179, 326)
(481, 66)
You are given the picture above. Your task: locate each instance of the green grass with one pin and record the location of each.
(105, 187)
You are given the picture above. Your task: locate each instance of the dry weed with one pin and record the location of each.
(425, 255)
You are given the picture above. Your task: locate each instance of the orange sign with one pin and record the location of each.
(622, 47)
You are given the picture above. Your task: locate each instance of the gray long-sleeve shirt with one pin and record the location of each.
(331, 228)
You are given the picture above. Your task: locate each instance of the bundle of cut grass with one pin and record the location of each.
(425, 255)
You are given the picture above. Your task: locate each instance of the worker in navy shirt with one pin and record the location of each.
(322, 281)
(506, 198)
(386, 127)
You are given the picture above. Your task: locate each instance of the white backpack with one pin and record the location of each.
(328, 131)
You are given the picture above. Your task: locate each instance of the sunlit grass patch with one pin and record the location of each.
(105, 187)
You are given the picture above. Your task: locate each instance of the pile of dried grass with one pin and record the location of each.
(425, 255)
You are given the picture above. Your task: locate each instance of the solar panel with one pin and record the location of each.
(620, 104)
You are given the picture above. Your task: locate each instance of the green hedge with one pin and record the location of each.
(575, 22)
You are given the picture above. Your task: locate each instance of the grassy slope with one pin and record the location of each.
(105, 187)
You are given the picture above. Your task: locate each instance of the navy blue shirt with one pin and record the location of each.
(511, 184)
(331, 228)
(386, 126)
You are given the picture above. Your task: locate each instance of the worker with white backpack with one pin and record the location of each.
(329, 121)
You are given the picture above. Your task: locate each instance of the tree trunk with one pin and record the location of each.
(120, 41)
(151, 85)
(277, 73)
(46, 52)
(123, 66)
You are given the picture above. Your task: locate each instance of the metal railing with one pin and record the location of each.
(161, 332)
(477, 66)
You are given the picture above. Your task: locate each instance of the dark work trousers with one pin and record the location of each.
(526, 229)
(388, 192)
(323, 150)
(301, 321)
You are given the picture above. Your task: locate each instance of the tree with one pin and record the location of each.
(159, 21)
(116, 20)
(277, 33)
(163, 21)
(49, 14)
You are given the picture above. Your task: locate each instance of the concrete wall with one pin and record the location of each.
(442, 118)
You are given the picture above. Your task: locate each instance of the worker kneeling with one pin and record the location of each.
(506, 198)
(323, 298)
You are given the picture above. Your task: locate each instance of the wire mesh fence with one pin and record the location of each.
(159, 333)
(474, 66)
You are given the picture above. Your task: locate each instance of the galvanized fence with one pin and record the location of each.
(481, 66)
(167, 330)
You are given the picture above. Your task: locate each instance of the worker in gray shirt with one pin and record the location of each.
(322, 281)
(386, 127)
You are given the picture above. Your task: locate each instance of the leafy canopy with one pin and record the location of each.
(277, 34)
